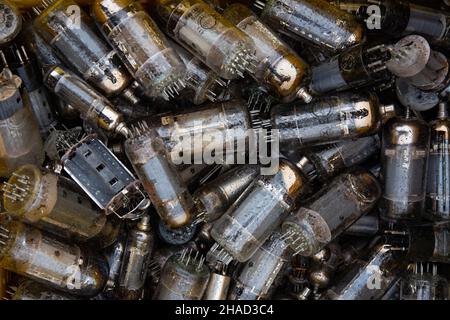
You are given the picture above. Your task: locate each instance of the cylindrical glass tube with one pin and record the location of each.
(11, 21)
(208, 35)
(331, 211)
(189, 136)
(257, 212)
(404, 159)
(56, 205)
(437, 202)
(143, 48)
(31, 290)
(326, 120)
(92, 106)
(136, 258)
(424, 283)
(71, 33)
(183, 277)
(218, 286)
(160, 178)
(279, 68)
(20, 140)
(215, 197)
(261, 273)
(31, 253)
(317, 21)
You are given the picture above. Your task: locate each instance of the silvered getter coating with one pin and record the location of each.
(315, 20)
(184, 277)
(77, 43)
(33, 254)
(55, 204)
(404, 159)
(218, 195)
(437, 201)
(135, 261)
(279, 68)
(366, 280)
(326, 120)
(207, 35)
(31, 290)
(143, 48)
(331, 211)
(260, 274)
(194, 133)
(258, 211)
(20, 139)
(160, 179)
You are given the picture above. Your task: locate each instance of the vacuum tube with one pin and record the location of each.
(317, 21)
(136, 258)
(160, 179)
(331, 211)
(437, 201)
(344, 116)
(323, 266)
(323, 163)
(19, 131)
(404, 157)
(218, 284)
(142, 46)
(114, 256)
(279, 68)
(367, 279)
(92, 106)
(33, 254)
(104, 178)
(424, 283)
(23, 64)
(216, 128)
(261, 273)
(183, 277)
(215, 197)
(207, 35)
(255, 214)
(426, 243)
(31, 290)
(56, 205)
(205, 83)
(71, 33)
(403, 17)
(177, 236)
(10, 21)
(366, 226)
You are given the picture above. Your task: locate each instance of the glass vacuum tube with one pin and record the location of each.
(261, 273)
(23, 64)
(317, 21)
(256, 213)
(424, 283)
(114, 256)
(404, 157)
(428, 243)
(183, 277)
(21, 141)
(207, 35)
(326, 120)
(142, 46)
(218, 127)
(136, 258)
(54, 204)
(331, 211)
(31, 290)
(324, 163)
(437, 201)
(71, 33)
(367, 279)
(279, 68)
(160, 179)
(218, 284)
(33, 254)
(10, 21)
(403, 17)
(215, 197)
(92, 106)
(205, 83)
